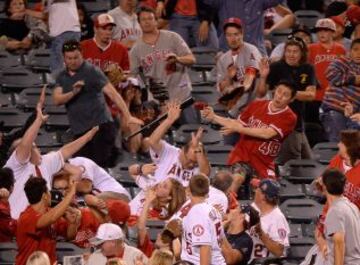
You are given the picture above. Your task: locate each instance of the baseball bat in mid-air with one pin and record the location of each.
(186, 103)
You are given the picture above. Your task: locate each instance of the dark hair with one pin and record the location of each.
(351, 140)
(354, 42)
(145, 9)
(199, 185)
(289, 84)
(70, 46)
(7, 179)
(334, 181)
(34, 188)
(296, 41)
(7, 6)
(222, 180)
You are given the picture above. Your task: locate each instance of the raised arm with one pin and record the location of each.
(71, 148)
(55, 213)
(264, 70)
(23, 150)
(202, 160)
(141, 224)
(155, 138)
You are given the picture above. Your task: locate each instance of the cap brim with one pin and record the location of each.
(232, 25)
(107, 24)
(318, 29)
(96, 241)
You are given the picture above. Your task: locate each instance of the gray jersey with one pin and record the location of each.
(249, 56)
(152, 60)
(343, 216)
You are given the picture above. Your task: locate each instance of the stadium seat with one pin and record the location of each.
(324, 152)
(17, 79)
(47, 141)
(205, 93)
(155, 227)
(64, 249)
(205, 58)
(5, 100)
(8, 252)
(296, 231)
(29, 97)
(308, 17)
(183, 134)
(301, 210)
(197, 77)
(38, 60)
(96, 7)
(299, 247)
(302, 171)
(278, 36)
(267, 261)
(57, 122)
(8, 60)
(12, 118)
(218, 154)
(290, 191)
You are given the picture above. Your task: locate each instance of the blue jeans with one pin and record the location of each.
(56, 56)
(334, 122)
(188, 27)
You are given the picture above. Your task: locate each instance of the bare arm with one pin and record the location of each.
(202, 160)
(23, 150)
(155, 138)
(141, 225)
(205, 255)
(232, 256)
(264, 70)
(188, 59)
(61, 98)
(307, 95)
(111, 92)
(287, 20)
(274, 247)
(55, 213)
(339, 248)
(71, 148)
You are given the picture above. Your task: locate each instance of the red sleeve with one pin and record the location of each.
(147, 247)
(311, 53)
(336, 162)
(248, 111)
(125, 64)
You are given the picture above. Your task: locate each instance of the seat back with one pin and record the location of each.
(8, 252)
(301, 210)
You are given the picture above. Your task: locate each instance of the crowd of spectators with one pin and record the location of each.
(116, 72)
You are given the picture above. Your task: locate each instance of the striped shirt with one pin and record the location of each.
(341, 76)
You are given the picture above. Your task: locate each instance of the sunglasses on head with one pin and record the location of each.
(296, 39)
(71, 47)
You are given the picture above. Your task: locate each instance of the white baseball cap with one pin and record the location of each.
(103, 20)
(325, 23)
(130, 80)
(107, 232)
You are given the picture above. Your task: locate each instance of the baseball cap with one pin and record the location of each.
(103, 20)
(325, 23)
(301, 28)
(130, 80)
(233, 21)
(338, 20)
(353, 14)
(270, 187)
(107, 231)
(118, 211)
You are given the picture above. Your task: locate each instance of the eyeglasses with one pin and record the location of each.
(71, 47)
(296, 39)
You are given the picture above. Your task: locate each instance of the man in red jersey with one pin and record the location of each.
(263, 126)
(102, 51)
(320, 55)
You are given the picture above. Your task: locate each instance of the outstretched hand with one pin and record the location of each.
(39, 106)
(196, 138)
(174, 111)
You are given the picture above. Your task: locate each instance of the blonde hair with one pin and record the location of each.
(38, 258)
(178, 197)
(161, 257)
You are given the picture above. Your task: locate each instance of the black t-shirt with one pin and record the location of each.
(302, 75)
(243, 243)
(14, 29)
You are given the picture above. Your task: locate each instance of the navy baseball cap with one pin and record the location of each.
(270, 187)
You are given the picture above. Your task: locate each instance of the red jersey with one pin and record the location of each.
(321, 57)
(7, 224)
(30, 239)
(261, 153)
(86, 231)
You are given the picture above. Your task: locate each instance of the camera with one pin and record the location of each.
(56, 197)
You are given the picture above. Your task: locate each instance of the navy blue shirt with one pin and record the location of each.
(243, 243)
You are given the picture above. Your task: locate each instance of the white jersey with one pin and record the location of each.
(202, 226)
(216, 199)
(101, 180)
(168, 165)
(274, 224)
(137, 204)
(127, 26)
(50, 164)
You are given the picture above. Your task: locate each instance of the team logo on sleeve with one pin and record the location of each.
(198, 230)
(282, 233)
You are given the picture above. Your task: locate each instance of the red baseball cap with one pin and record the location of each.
(353, 14)
(233, 21)
(118, 211)
(103, 20)
(338, 20)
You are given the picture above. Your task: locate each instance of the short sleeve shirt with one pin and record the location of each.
(88, 108)
(243, 243)
(343, 216)
(50, 164)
